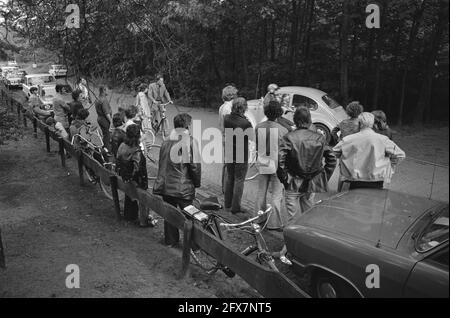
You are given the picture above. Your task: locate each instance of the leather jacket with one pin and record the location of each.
(301, 167)
(178, 178)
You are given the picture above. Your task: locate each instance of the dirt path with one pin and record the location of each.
(48, 222)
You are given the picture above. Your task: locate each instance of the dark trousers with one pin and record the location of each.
(235, 174)
(106, 134)
(171, 233)
(130, 209)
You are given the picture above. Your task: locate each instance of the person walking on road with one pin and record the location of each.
(238, 133)
(367, 159)
(104, 115)
(179, 172)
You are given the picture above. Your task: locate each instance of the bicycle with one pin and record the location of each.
(213, 224)
(163, 126)
(93, 146)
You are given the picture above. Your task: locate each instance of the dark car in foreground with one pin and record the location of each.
(372, 243)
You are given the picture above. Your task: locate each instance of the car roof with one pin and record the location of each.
(306, 91)
(38, 75)
(373, 215)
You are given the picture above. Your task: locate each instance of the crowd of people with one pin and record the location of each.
(303, 164)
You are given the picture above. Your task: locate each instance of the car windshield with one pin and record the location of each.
(435, 233)
(330, 102)
(42, 80)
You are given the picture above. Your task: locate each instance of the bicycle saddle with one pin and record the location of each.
(210, 204)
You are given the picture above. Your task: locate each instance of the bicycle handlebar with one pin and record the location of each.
(260, 213)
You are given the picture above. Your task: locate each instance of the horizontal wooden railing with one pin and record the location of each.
(266, 281)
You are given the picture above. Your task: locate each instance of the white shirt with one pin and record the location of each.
(143, 104)
(368, 156)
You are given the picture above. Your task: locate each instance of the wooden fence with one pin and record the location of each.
(266, 281)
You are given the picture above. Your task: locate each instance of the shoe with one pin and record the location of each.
(285, 260)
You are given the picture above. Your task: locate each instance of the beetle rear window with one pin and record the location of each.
(330, 102)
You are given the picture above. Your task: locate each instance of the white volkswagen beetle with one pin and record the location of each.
(325, 111)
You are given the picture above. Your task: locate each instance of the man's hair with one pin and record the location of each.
(131, 112)
(380, 116)
(354, 109)
(366, 120)
(229, 93)
(239, 106)
(59, 88)
(273, 87)
(133, 135)
(82, 114)
(302, 117)
(102, 90)
(76, 94)
(50, 121)
(33, 89)
(158, 76)
(117, 120)
(273, 111)
(182, 121)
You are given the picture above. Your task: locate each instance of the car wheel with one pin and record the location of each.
(329, 286)
(321, 128)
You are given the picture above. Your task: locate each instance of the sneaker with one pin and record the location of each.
(285, 260)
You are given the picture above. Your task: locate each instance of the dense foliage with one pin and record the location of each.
(202, 44)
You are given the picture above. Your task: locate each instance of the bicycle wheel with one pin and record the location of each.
(252, 172)
(152, 156)
(107, 190)
(203, 259)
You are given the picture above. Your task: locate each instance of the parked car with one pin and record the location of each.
(12, 63)
(13, 80)
(325, 111)
(44, 81)
(58, 70)
(6, 70)
(344, 239)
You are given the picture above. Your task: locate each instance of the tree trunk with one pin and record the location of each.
(344, 52)
(427, 84)
(412, 36)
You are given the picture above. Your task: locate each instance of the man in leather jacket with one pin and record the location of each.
(301, 167)
(179, 172)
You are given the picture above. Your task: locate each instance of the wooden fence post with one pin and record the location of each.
(187, 245)
(80, 167)
(2, 253)
(115, 194)
(47, 138)
(34, 127)
(62, 153)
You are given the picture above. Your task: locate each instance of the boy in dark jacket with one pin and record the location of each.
(178, 175)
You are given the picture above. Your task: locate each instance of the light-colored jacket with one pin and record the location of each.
(368, 156)
(156, 92)
(143, 105)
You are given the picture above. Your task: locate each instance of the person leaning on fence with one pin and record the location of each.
(57, 127)
(348, 126)
(131, 113)
(238, 133)
(104, 115)
(61, 108)
(367, 159)
(131, 166)
(272, 132)
(179, 172)
(79, 125)
(118, 135)
(381, 126)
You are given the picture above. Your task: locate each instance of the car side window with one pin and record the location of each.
(440, 257)
(299, 100)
